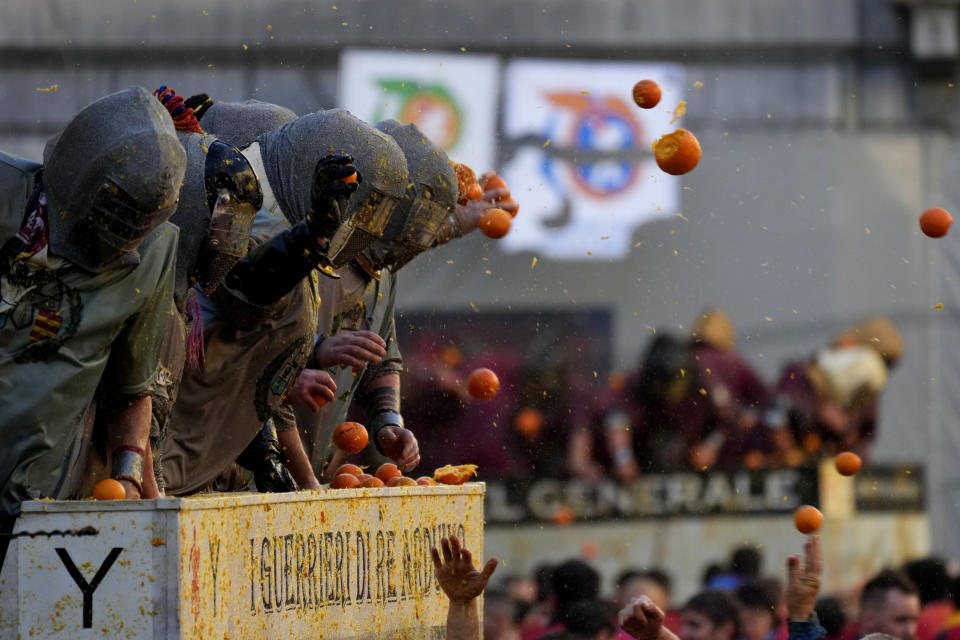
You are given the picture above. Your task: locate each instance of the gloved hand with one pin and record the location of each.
(329, 194)
(263, 457)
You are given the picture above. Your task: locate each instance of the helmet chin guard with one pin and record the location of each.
(428, 200)
(290, 155)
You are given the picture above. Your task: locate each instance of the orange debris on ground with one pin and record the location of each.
(646, 94)
(483, 384)
(807, 519)
(451, 474)
(350, 437)
(677, 153)
(935, 222)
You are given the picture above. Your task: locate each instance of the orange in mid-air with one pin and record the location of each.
(848, 463)
(346, 481)
(677, 153)
(352, 469)
(450, 474)
(350, 437)
(495, 223)
(426, 481)
(807, 519)
(388, 470)
(483, 384)
(372, 483)
(935, 222)
(646, 94)
(109, 489)
(529, 422)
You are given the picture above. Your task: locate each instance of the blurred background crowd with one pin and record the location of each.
(692, 403)
(741, 597)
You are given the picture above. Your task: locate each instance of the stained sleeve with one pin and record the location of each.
(136, 354)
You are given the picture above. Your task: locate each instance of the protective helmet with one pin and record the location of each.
(882, 335)
(218, 201)
(666, 363)
(714, 328)
(240, 123)
(111, 176)
(290, 155)
(430, 198)
(852, 372)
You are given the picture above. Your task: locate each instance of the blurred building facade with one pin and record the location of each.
(827, 127)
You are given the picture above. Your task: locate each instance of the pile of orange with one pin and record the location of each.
(350, 476)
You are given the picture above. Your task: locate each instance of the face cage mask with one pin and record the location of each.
(227, 241)
(420, 232)
(363, 227)
(116, 224)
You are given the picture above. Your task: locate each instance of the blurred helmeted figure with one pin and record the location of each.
(660, 418)
(218, 200)
(735, 391)
(828, 404)
(86, 276)
(259, 326)
(362, 302)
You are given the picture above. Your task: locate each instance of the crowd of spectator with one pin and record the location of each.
(692, 403)
(738, 601)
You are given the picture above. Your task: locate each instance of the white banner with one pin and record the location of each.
(451, 97)
(584, 172)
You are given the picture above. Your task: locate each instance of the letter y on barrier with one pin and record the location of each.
(86, 588)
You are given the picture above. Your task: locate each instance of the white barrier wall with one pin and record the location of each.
(350, 563)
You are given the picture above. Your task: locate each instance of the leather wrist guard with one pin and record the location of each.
(128, 465)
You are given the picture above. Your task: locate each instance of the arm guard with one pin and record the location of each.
(382, 406)
(273, 269)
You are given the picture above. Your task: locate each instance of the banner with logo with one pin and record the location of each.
(581, 155)
(451, 97)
